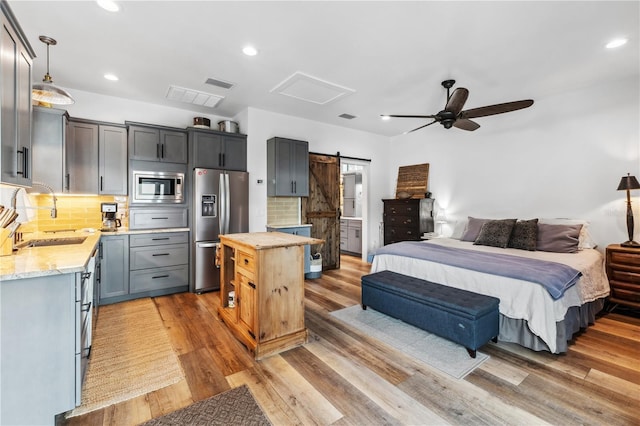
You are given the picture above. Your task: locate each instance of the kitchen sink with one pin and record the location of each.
(52, 242)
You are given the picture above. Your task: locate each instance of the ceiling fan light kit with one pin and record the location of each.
(453, 116)
(46, 92)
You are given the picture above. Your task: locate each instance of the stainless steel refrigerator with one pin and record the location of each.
(220, 206)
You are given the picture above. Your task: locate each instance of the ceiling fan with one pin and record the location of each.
(452, 114)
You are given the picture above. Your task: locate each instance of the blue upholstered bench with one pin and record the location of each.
(461, 316)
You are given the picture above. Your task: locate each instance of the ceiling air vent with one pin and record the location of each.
(347, 116)
(219, 83)
(311, 89)
(193, 97)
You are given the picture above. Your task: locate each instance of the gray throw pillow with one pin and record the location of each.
(495, 233)
(524, 235)
(473, 228)
(558, 238)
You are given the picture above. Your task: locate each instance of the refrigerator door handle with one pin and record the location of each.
(206, 245)
(221, 202)
(228, 203)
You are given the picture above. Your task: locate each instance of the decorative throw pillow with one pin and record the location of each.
(524, 235)
(495, 233)
(585, 240)
(473, 228)
(558, 238)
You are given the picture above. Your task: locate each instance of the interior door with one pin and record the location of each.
(322, 208)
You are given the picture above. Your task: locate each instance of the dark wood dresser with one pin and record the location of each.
(407, 220)
(623, 271)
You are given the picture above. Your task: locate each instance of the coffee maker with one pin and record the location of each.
(109, 221)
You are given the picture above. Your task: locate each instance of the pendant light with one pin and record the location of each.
(47, 92)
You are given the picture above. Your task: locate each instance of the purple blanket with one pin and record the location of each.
(556, 278)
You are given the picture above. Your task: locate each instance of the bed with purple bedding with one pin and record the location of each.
(545, 297)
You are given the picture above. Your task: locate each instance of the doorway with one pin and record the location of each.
(354, 230)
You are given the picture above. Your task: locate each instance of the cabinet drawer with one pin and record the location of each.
(158, 239)
(621, 275)
(158, 218)
(158, 278)
(626, 291)
(246, 262)
(402, 220)
(402, 208)
(158, 256)
(401, 234)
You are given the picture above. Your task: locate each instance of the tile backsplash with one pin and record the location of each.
(283, 210)
(74, 212)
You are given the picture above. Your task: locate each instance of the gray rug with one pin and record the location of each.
(233, 407)
(446, 356)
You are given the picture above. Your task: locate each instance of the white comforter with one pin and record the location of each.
(518, 299)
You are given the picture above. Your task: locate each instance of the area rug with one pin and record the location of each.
(235, 407)
(131, 355)
(448, 357)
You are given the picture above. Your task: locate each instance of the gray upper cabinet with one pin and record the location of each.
(49, 132)
(16, 56)
(218, 150)
(287, 168)
(96, 158)
(82, 158)
(157, 144)
(112, 160)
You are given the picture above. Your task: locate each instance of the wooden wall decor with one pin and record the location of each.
(412, 181)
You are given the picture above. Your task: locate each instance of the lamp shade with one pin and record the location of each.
(51, 94)
(628, 182)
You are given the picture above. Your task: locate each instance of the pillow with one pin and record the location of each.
(495, 233)
(473, 228)
(524, 235)
(585, 240)
(458, 229)
(558, 238)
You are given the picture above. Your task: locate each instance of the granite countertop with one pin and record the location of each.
(31, 262)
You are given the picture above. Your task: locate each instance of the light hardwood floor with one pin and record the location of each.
(343, 378)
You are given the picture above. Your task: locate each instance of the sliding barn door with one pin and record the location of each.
(322, 208)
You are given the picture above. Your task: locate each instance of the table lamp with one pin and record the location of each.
(629, 182)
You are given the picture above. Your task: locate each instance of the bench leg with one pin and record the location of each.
(364, 307)
(472, 352)
(495, 339)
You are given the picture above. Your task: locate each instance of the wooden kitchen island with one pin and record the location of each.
(265, 270)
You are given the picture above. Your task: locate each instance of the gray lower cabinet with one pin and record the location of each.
(287, 168)
(114, 268)
(151, 264)
(158, 218)
(46, 336)
(351, 235)
(218, 150)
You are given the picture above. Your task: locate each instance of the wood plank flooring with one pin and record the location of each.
(344, 378)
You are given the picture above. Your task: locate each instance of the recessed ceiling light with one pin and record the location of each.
(250, 51)
(109, 5)
(616, 43)
(111, 77)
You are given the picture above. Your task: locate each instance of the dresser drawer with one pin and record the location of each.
(616, 274)
(402, 207)
(158, 278)
(396, 234)
(158, 218)
(623, 258)
(161, 238)
(158, 256)
(402, 220)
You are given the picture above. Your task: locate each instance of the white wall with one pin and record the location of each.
(563, 157)
(324, 139)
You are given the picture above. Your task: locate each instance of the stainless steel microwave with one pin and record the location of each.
(157, 187)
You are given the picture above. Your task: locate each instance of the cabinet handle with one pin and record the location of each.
(160, 276)
(224, 160)
(158, 239)
(86, 275)
(219, 159)
(160, 254)
(88, 351)
(86, 307)
(161, 150)
(158, 150)
(100, 183)
(252, 285)
(293, 191)
(246, 261)
(159, 218)
(67, 178)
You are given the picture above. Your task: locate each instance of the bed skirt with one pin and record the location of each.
(577, 318)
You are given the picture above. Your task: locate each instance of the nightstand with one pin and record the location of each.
(623, 271)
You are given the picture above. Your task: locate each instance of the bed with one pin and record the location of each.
(530, 314)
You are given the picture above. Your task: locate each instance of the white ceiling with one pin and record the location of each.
(388, 56)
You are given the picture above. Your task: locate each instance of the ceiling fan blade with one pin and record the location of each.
(496, 109)
(457, 100)
(418, 128)
(408, 116)
(464, 124)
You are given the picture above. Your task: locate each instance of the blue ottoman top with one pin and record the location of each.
(454, 299)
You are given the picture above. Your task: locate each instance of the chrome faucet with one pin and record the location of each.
(54, 209)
